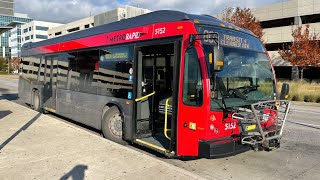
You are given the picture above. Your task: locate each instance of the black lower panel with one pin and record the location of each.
(221, 148)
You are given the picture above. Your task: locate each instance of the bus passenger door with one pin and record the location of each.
(50, 83)
(155, 97)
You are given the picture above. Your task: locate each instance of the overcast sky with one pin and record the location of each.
(64, 11)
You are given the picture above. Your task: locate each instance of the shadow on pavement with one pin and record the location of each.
(10, 97)
(4, 113)
(23, 128)
(77, 173)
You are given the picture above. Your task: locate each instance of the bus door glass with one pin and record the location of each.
(51, 71)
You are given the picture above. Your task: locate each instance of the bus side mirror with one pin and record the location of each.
(217, 61)
(284, 91)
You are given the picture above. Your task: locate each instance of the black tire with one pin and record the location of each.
(112, 125)
(36, 101)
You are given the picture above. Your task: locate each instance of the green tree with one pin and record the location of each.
(3, 64)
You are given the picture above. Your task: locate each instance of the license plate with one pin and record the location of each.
(251, 127)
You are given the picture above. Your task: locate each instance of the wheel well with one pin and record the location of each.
(34, 90)
(109, 105)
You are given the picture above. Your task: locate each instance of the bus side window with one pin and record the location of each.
(63, 67)
(192, 84)
(82, 69)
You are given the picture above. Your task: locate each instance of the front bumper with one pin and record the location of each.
(218, 148)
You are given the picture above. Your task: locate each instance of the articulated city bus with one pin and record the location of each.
(181, 84)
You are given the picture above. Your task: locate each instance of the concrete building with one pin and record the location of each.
(33, 31)
(103, 18)
(6, 24)
(71, 27)
(278, 20)
(6, 7)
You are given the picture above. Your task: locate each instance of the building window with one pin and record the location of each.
(86, 26)
(31, 37)
(30, 28)
(25, 30)
(74, 29)
(27, 38)
(58, 33)
(38, 36)
(42, 28)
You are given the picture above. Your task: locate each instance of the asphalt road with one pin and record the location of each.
(298, 157)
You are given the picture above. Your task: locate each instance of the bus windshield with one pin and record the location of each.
(246, 78)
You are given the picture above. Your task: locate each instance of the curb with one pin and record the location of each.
(170, 166)
(300, 103)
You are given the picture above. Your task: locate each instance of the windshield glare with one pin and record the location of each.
(246, 78)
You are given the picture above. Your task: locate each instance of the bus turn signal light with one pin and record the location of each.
(212, 118)
(180, 27)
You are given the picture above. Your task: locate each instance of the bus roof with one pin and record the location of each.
(142, 20)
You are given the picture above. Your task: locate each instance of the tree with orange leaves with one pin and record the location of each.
(244, 19)
(304, 50)
(15, 63)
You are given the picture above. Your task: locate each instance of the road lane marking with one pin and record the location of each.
(305, 124)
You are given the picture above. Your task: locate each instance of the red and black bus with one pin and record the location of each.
(181, 84)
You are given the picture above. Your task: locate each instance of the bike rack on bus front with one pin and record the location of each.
(257, 114)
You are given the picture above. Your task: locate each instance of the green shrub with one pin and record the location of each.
(302, 91)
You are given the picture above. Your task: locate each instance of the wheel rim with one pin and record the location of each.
(116, 125)
(36, 102)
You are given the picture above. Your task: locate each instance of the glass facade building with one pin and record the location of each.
(4, 37)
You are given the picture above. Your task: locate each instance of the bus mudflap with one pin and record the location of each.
(262, 125)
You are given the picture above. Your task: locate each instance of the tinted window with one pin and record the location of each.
(63, 68)
(83, 67)
(192, 84)
(30, 67)
(38, 36)
(42, 28)
(114, 71)
(42, 70)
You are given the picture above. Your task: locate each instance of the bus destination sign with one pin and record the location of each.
(231, 38)
(234, 41)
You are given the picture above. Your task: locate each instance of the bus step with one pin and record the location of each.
(157, 143)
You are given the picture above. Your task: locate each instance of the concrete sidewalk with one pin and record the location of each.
(36, 146)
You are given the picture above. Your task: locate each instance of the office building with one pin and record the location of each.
(278, 20)
(33, 31)
(6, 24)
(103, 18)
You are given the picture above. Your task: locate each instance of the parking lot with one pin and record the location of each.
(298, 157)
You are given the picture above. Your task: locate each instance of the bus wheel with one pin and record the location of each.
(36, 101)
(112, 125)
